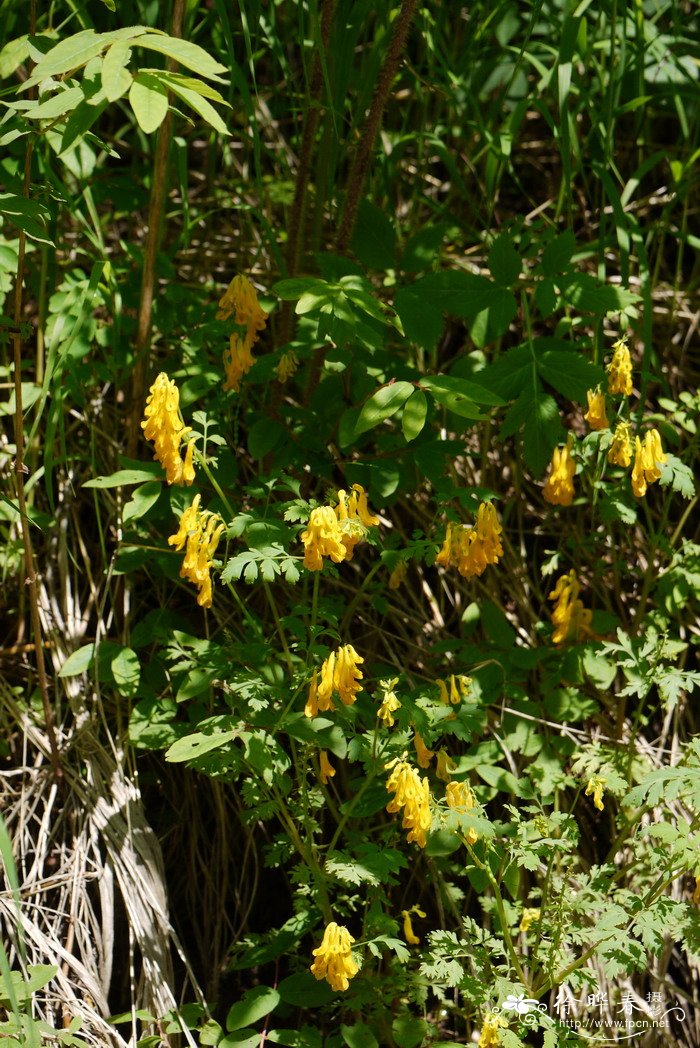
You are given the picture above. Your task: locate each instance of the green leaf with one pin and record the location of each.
(569, 372)
(408, 1030)
(256, 1003)
(307, 1037)
(422, 322)
(263, 436)
(305, 991)
(190, 55)
(125, 476)
(27, 215)
(196, 101)
(142, 499)
(116, 78)
(558, 253)
(126, 670)
(13, 54)
(678, 475)
(587, 294)
(374, 237)
(149, 100)
(359, 1036)
(198, 743)
(78, 661)
(240, 1039)
(383, 403)
(62, 102)
(414, 414)
(504, 261)
(66, 56)
(421, 249)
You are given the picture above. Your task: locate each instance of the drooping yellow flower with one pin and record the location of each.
(286, 366)
(571, 620)
(341, 675)
(460, 685)
(696, 893)
(595, 416)
(620, 453)
(408, 933)
(648, 457)
(201, 531)
(423, 754)
(460, 795)
(163, 425)
(398, 575)
(413, 795)
(490, 1037)
(322, 538)
(559, 486)
(620, 370)
(390, 703)
(596, 786)
(445, 766)
(334, 532)
(240, 300)
(472, 549)
(334, 957)
(531, 914)
(326, 769)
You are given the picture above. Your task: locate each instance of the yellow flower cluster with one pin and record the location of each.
(163, 425)
(490, 1037)
(460, 686)
(423, 754)
(620, 453)
(240, 300)
(647, 458)
(620, 370)
(595, 787)
(413, 795)
(341, 675)
(471, 549)
(201, 531)
(571, 620)
(288, 363)
(335, 531)
(334, 957)
(531, 914)
(595, 416)
(390, 703)
(460, 795)
(559, 486)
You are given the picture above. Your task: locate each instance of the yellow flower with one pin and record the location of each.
(460, 795)
(390, 703)
(413, 795)
(238, 360)
(620, 453)
(571, 620)
(471, 549)
(201, 531)
(648, 457)
(445, 766)
(408, 932)
(240, 300)
(326, 769)
(423, 754)
(595, 416)
(287, 365)
(460, 685)
(531, 914)
(490, 1037)
(398, 575)
(162, 424)
(559, 486)
(620, 370)
(340, 674)
(334, 957)
(696, 893)
(335, 532)
(322, 538)
(596, 785)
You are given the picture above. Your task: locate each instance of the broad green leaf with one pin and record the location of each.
(374, 237)
(27, 215)
(142, 499)
(198, 743)
(256, 1003)
(414, 413)
(196, 101)
(586, 293)
(116, 78)
(149, 100)
(558, 253)
(421, 250)
(305, 991)
(240, 1039)
(504, 261)
(421, 321)
(78, 661)
(291, 290)
(126, 670)
(359, 1036)
(185, 52)
(462, 387)
(125, 476)
(66, 56)
(446, 391)
(62, 102)
(13, 54)
(307, 1037)
(383, 403)
(569, 372)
